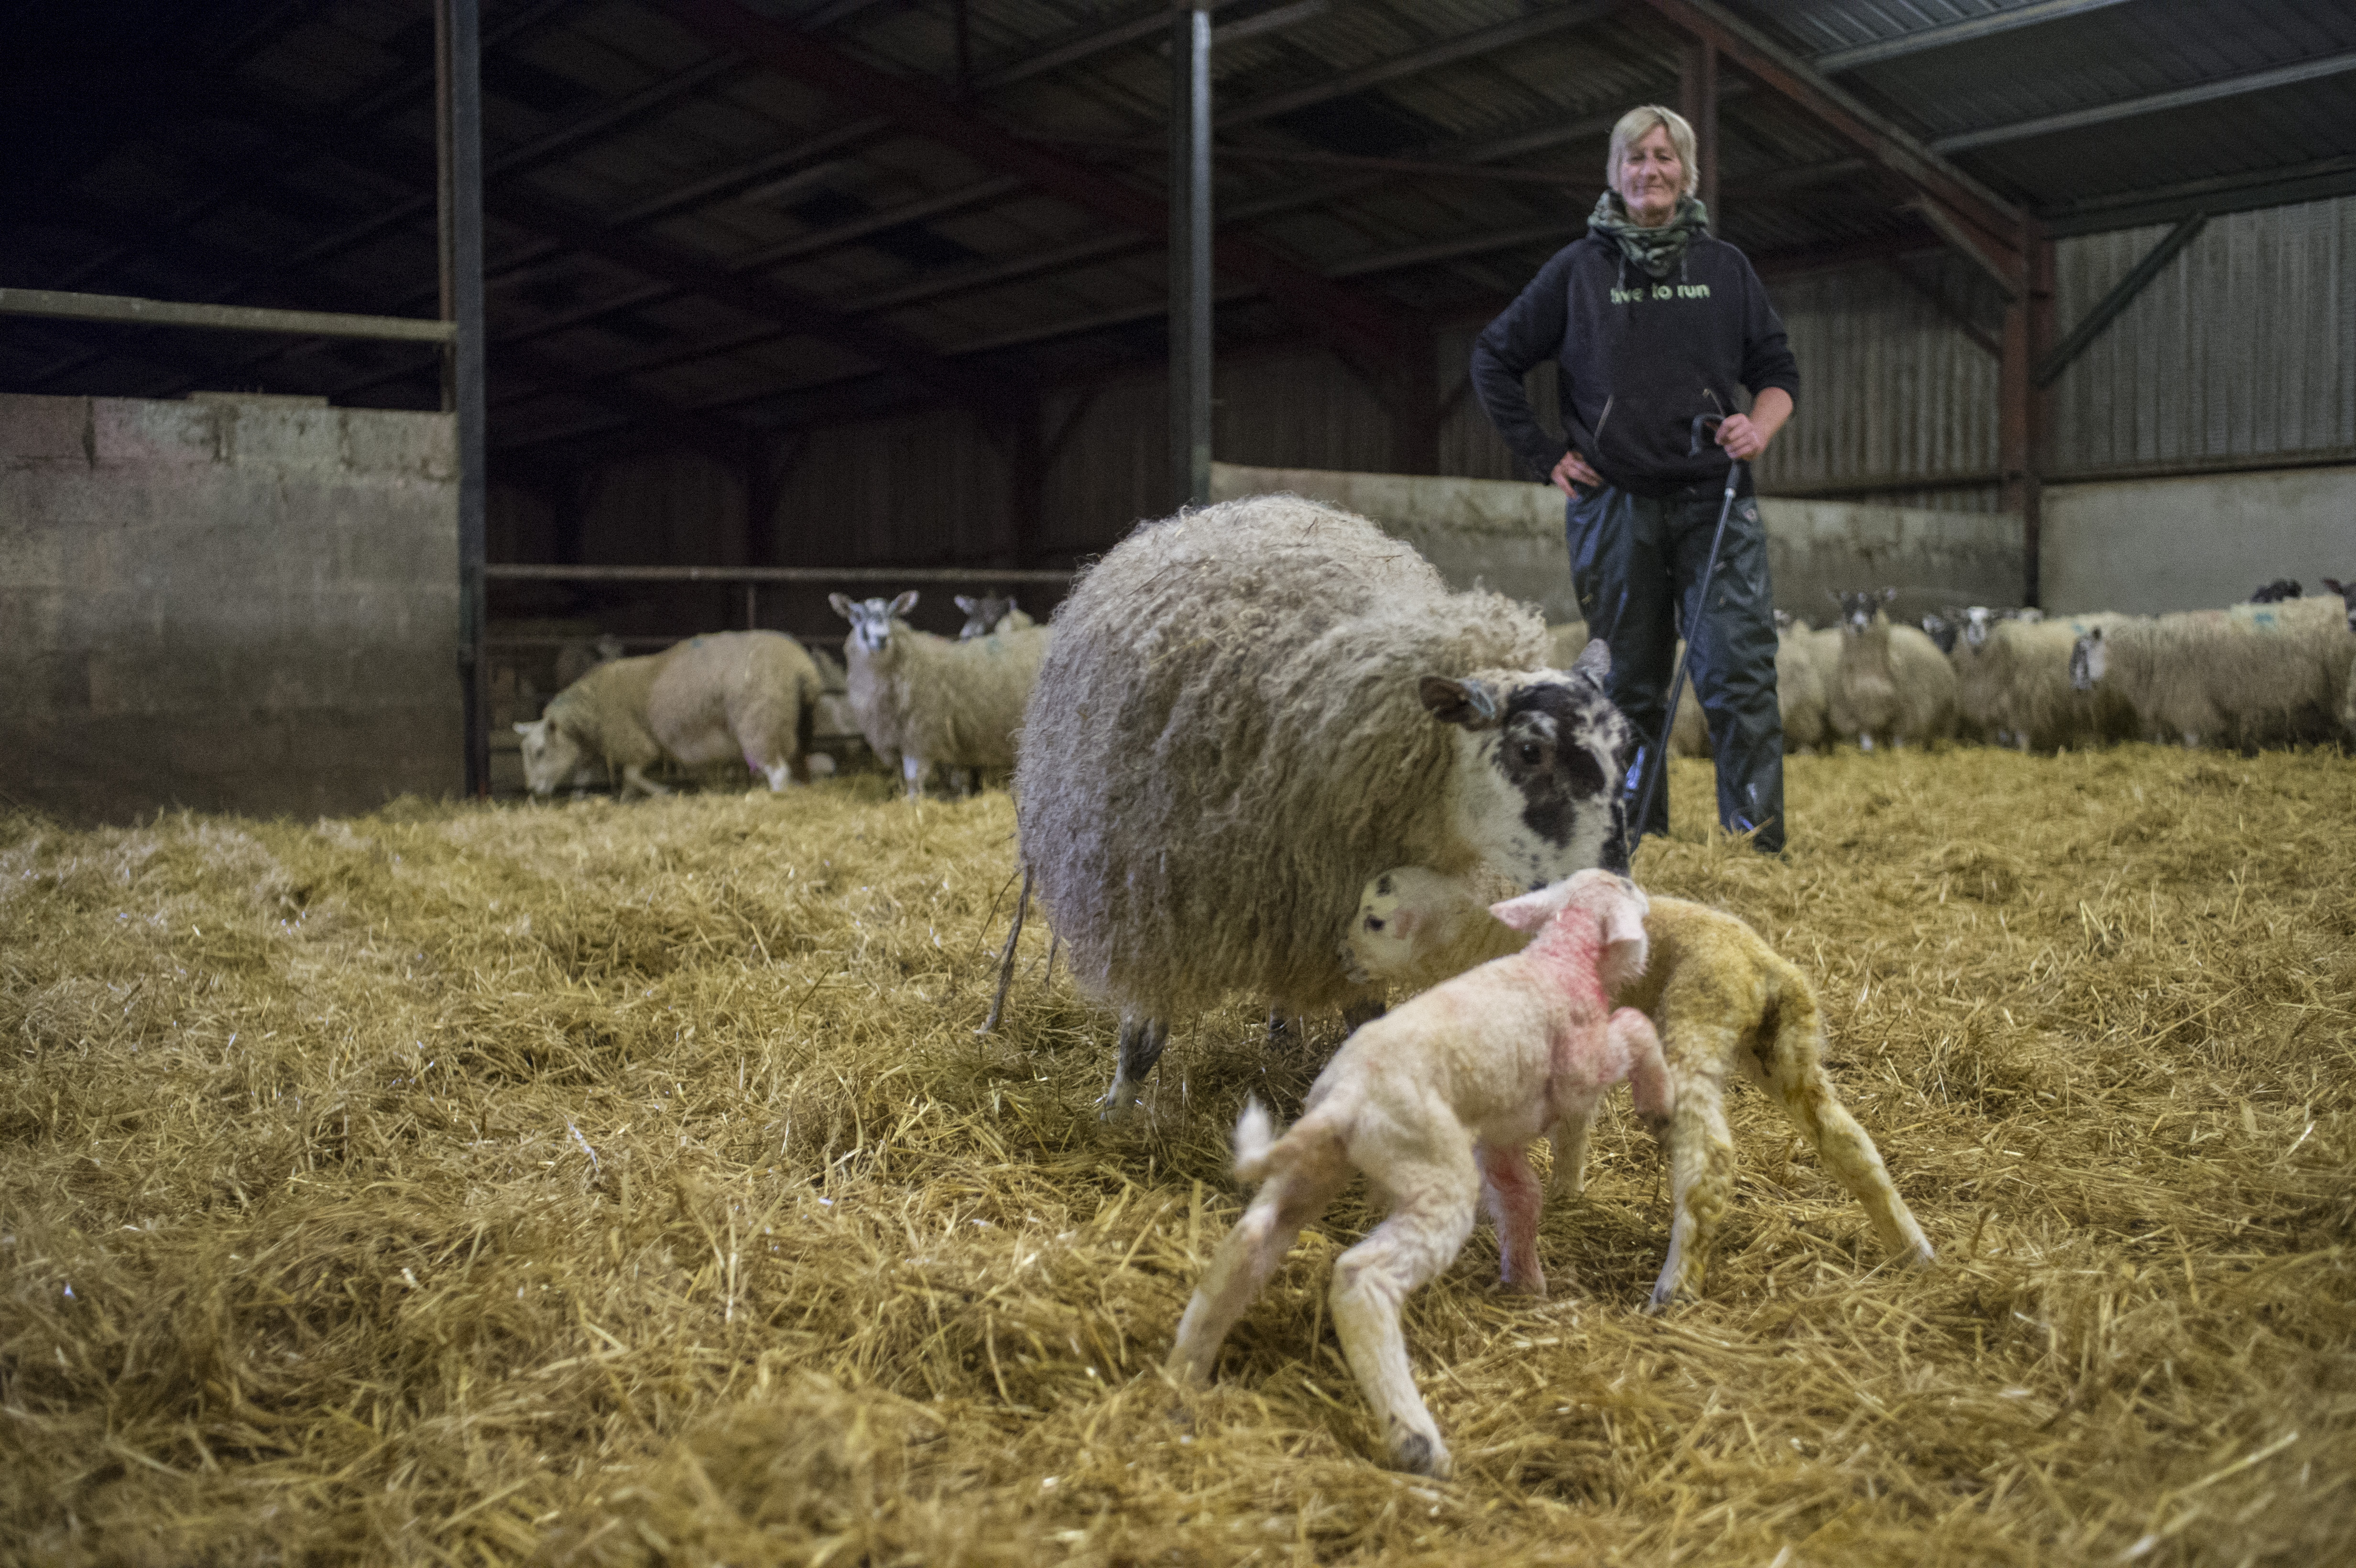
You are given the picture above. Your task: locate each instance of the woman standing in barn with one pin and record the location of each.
(1652, 322)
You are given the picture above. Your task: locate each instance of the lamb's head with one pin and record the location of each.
(1539, 756)
(983, 612)
(1617, 905)
(2347, 591)
(2090, 657)
(1861, 611)
(552, 755)
(1404, 914)
(871, 620)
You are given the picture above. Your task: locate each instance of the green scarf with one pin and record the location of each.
(1654, 249)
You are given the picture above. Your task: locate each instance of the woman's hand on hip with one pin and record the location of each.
(1573, 470)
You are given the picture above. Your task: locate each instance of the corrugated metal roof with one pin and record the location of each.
(633, 124)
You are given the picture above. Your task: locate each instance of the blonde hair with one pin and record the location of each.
(1637, 125)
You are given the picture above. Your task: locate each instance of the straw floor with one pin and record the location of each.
(606, 1185)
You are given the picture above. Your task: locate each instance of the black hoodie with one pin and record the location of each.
(1655, 352)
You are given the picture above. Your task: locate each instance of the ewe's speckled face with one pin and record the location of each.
(871, 620)
(1978, 621)
(1858, 610)
(983, 613)
(550, 755)
(1540, 758)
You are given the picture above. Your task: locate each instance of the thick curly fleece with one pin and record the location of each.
(1227, 742)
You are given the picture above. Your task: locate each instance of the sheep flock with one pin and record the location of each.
(599, 1180)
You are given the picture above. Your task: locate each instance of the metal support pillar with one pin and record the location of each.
(1697, 101)
(460, 24)
(1190, 253)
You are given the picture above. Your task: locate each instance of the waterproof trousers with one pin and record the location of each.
(1636, 563)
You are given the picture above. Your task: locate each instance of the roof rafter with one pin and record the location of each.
(1363, 327)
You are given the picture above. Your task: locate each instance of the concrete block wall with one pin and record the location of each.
(232, 603)
(1510, 535)
(2148, 546)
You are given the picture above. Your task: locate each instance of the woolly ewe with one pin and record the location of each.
(1437, 1102)
(927, 701)
(1725, 1004)
(1251, 709)
(729, 694)
(990, 612)
(1892, 684)
(2249, 676)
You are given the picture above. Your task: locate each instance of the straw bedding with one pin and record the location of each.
(620, 1185)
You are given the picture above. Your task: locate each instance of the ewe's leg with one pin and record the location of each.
(1142, 1039)
(1511, 1188)
(1701, 1180)
(1795, 1078)
(634, 777)
(913, 769)
(1570, 1140)
(1251, 1252)
(1425, 1231)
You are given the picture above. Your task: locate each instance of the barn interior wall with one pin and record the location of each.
(233, 604)
(2196, 542)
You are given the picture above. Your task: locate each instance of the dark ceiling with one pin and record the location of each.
(718, 218)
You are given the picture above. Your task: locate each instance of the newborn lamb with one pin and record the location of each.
(1437, 1102)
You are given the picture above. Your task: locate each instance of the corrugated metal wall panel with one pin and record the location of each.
(1469, 444)
(1113, 469)
(2244, 346)
(664, 507)
(1888, 385)
(913, 489)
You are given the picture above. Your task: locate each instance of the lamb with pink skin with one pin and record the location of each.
(1437, 1102)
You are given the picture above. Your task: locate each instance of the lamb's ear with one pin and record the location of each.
(1626, 946)
(841, 603)
(1531, 910)
(1470, 703)
(903, 604)
(1594, 660)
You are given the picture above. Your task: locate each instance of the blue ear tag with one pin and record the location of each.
(1635, 773)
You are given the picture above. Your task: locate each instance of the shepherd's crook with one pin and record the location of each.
(1659, 759)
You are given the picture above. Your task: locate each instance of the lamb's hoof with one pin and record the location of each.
(1116, 1108)
(1422, 1454)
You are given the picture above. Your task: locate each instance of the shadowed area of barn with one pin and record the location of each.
(626, 1185)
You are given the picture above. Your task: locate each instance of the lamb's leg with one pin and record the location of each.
(1424, 1234)
(1289, 1200)
(1570, 1140)
(1511, 1188)
(634, 777)
(1701, 1178)
(1795, 1077)
(1648, 1070)
(1142, 1039)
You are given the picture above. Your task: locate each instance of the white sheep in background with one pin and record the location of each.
(1725, 1004)
(925, 701)
(1437, 1102)
(1803, 659)
(1252, 708)
(1891, 685)
(2249, 676)
(727, 694)
(990, 612)
(2036, 705)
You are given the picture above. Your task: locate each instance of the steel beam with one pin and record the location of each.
(1352, 323)
(1190, 256)
(2150, 104)
(60, 305)
(1971, 29)
(1879, 139)
(2138, 278)
(463, 133)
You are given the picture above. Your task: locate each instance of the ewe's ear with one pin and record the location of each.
(526, 729)
(1889, 595)
(1468, 703)
(905, 603)
(1594, 660)
(841, 604)
(1532, 911)
(2333, 584)
(966, 601)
